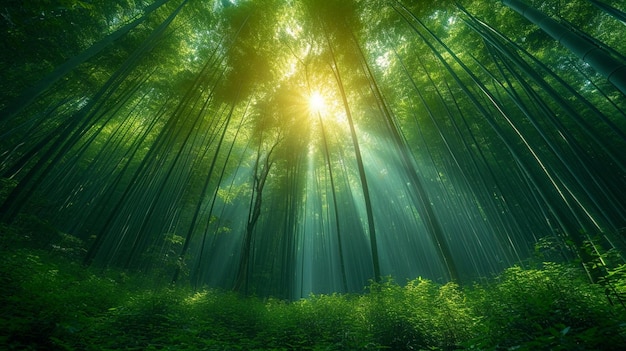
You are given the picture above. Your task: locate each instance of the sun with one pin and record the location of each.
(317, 103)
(323, 105)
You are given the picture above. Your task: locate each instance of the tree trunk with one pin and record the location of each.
(30, 94)
(601, 61)
(260, 177)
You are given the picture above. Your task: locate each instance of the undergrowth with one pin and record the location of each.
(49, 301)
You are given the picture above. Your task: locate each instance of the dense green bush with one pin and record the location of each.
(551, 308)
(47, 301)
(50, 303)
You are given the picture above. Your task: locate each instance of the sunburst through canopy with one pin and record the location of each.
(282, 148)
(317, 103)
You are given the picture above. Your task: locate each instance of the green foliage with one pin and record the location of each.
(608, 269)
(6, 185)
(50, 302)
(550, 308)
(388, 316)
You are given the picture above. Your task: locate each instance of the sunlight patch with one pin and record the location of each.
(317, 103)
(383, 61)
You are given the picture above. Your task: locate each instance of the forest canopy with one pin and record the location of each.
(283, 148)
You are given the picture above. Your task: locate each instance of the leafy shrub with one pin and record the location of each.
(422, 315)
(47, 301)
(327, 320)
(552, 308)
(390, 319)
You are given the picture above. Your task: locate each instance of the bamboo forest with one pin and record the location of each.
(313, 175)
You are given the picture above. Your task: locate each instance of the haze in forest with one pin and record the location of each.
(282, 148)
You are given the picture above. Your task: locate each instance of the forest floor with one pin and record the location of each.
(49, 300)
